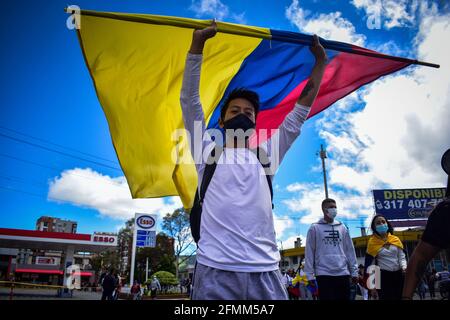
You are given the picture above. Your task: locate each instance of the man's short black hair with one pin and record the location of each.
(328, 200)
(242, 93)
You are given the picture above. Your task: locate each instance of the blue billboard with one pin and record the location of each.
(402, 204)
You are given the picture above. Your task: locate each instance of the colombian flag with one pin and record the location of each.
(136, 62)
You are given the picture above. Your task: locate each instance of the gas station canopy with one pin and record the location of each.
(59, 241)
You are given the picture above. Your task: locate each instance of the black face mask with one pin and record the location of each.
(241, 121)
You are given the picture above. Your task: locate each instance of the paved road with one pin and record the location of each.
(51, 294)
(46, 294)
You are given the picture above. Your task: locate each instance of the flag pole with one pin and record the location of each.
(243, 31)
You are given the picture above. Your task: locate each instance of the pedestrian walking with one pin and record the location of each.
(287, 283)
(154, 287)
(362, 279)
(330, 255)
(188, 286)
(108, 285)
(136, 290)
(385, 250)
(422, 289)
(432, 283)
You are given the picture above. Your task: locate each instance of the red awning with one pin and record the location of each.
(83, 274)
(55, 271)
(41, 271)
(45, 234)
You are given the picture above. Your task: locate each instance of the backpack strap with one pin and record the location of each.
(263, 158)
(195, 215)
(210, 168)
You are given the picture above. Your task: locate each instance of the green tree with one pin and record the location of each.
(106, 259)
(125, 244)
(160, 258)
(176, 225)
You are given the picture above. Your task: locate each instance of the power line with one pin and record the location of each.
(59, 170)
(20, 180)
(296, 193)
(312, 198)
(56, 151)
(55, 144)
(31, 194)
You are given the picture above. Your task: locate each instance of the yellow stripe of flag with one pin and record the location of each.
(137, 69)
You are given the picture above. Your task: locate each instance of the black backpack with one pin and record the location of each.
(196, 211)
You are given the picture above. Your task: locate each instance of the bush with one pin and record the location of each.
(165, 278)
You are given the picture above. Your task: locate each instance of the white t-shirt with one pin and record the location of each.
(237, 227)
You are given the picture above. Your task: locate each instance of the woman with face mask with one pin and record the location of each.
(386, 251)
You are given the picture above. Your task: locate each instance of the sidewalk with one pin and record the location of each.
(45, 294)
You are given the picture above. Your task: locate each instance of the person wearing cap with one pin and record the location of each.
(435, 238)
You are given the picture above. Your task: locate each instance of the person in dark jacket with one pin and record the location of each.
(109, 284)
(434, 239)
(431, 278)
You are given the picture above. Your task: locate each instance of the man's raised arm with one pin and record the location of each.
(190, 96)
(290, 129)
(311, 89)
(199, 38)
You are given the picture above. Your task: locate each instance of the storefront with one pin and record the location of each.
(48, 257)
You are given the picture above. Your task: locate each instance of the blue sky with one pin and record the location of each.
(47, 99)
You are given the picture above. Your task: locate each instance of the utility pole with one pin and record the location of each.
(282, 256)
(323, 156)
(146, 270)
(133, 256)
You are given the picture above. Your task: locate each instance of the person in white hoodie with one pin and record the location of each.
(330, 255)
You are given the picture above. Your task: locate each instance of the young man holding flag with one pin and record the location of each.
(237, 255)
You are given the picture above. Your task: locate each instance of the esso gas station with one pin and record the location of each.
(66, 243)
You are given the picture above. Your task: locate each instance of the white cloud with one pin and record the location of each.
(290, 242)
(109, 196)
(390, 13)
(296, 187)
(239, 18)
(331, 26)
(216, 9)
(308, 200)
(281, 223)
(391, 48)
(398, 138)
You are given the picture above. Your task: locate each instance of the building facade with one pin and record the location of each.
(51, 224)
(291, 258)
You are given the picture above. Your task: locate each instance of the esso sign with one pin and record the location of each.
(104, 239)
(145, 222)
